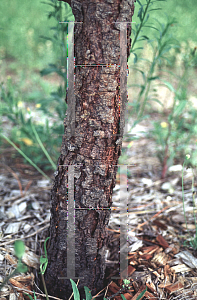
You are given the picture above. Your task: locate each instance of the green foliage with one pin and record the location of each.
(30, 297)
(19, 249)
(174, 136)
(23, 154)
(184, 12)
(60, 12)
(44, 259)
(76, 291)
(36, 139)
(20, 34)
(141, 294)
(160, 45)
(32, 139)
(43, 266)
(25, 29)
(88, 292)
(123, 297)
(36, 49)
(143, 15)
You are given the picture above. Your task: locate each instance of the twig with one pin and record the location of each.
(25, 237)
(156, 215)
(43, 295)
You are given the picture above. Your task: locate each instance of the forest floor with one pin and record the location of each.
(161, 262)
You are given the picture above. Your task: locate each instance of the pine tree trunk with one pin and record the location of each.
(93, 150)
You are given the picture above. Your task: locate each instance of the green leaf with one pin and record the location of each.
(154, 9)
(29, 296)
(75, 290)
(179, 108)
(147, 17)
(123, 297)
(126, 281)
(19, 248)
(156, 100)
(25, 156)
(153, 78)
(45, 249)
(46, 38)
(137, 49)
(88, 293)
(135, 58)
(169, 85)
(43, 149)
(140, 12)
(21, 268)
(144, 37)
(141, 294)
(148, 26)
(47, 71)
(44, 260)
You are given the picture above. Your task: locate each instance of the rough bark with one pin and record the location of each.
(95, 148)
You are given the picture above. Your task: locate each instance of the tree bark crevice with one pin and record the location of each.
(94, 150)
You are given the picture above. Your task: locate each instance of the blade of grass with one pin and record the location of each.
(23, 154)
(42, 147)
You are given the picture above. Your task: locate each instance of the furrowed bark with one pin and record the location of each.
(93, 150)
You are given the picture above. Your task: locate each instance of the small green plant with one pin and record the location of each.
(43, 266)
(36, 139)
(61, 12)
(76, 291)
(19, 248)
(88, 292)
(161, 45)
(174, 135)
(31, 298)
(149, 66)
(126, 283)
